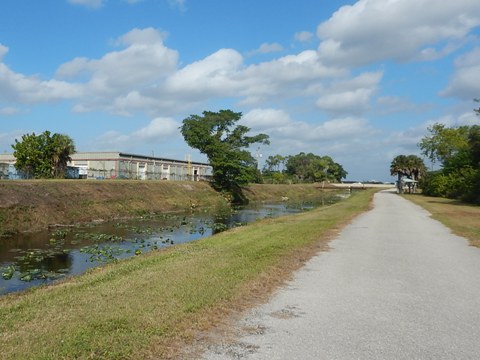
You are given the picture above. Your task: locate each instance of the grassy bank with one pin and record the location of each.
(145, 307)
(34, 205)
(463, 219)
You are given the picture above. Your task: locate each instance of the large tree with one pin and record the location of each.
(457, 150)
(44, 155)
(313, 168)
(217, 135)
(444, 143)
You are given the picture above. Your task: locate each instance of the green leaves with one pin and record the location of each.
(458, 151)
(311, 168)
(43, 156)
(408, 165)
(215, 135)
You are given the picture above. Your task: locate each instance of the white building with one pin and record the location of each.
(118, 165)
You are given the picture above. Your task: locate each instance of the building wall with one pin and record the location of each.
(116, 165)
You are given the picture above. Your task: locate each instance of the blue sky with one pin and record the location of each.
(359, 81)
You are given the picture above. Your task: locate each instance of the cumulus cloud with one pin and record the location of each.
(288, 76)
(144, 75)
(216, 74)
(156, 131)
(261, 119)
(279, 125)
(142, 64)
(18, 88)
(95, 4)
(465, 82)
(350, 96)
(375, 30)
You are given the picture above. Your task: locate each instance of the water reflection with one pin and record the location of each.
(34, 259)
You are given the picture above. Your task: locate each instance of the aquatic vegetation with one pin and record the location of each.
(7, 273)
(103, 253)
(94, 245)
(95, 237)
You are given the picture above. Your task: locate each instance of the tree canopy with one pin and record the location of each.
(314, 168)
(410, 166)
(216, 135)
(44, 155)
(457, 150)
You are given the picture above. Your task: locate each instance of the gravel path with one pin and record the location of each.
(395, 285)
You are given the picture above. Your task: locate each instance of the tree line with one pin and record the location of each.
(456, 151)
(302, 168)
(215, 134)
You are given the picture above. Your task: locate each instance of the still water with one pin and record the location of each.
(39, 258)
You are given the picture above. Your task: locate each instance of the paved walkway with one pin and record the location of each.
(396, 285)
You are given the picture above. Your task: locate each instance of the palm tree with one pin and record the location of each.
(407, 165)
(62, 147)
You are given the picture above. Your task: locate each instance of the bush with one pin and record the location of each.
(462, 184)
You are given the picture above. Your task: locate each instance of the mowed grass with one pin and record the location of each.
(152, 305)
(463, 219)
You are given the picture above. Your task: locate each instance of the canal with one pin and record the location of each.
(34, 259)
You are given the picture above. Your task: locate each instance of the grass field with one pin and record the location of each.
(153, 305)
(461, 218)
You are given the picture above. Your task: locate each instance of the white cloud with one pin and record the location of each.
(345, 102)
(377, 30)
(465, 83)
(348, 127)
(3, 51)
(213, 75)
(261, 119)
(279, 125)
(303, 36)
(350, 96)
(267, 48)
(95, 4)
(143, 75)
(156, 131)
(286, 77)
(16, 87)
(141, 65)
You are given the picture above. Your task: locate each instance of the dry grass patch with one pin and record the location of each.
(463, 219)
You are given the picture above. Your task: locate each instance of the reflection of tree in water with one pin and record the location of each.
(42, 264)
(58, 262)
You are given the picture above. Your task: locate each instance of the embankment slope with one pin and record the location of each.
(35, 205)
